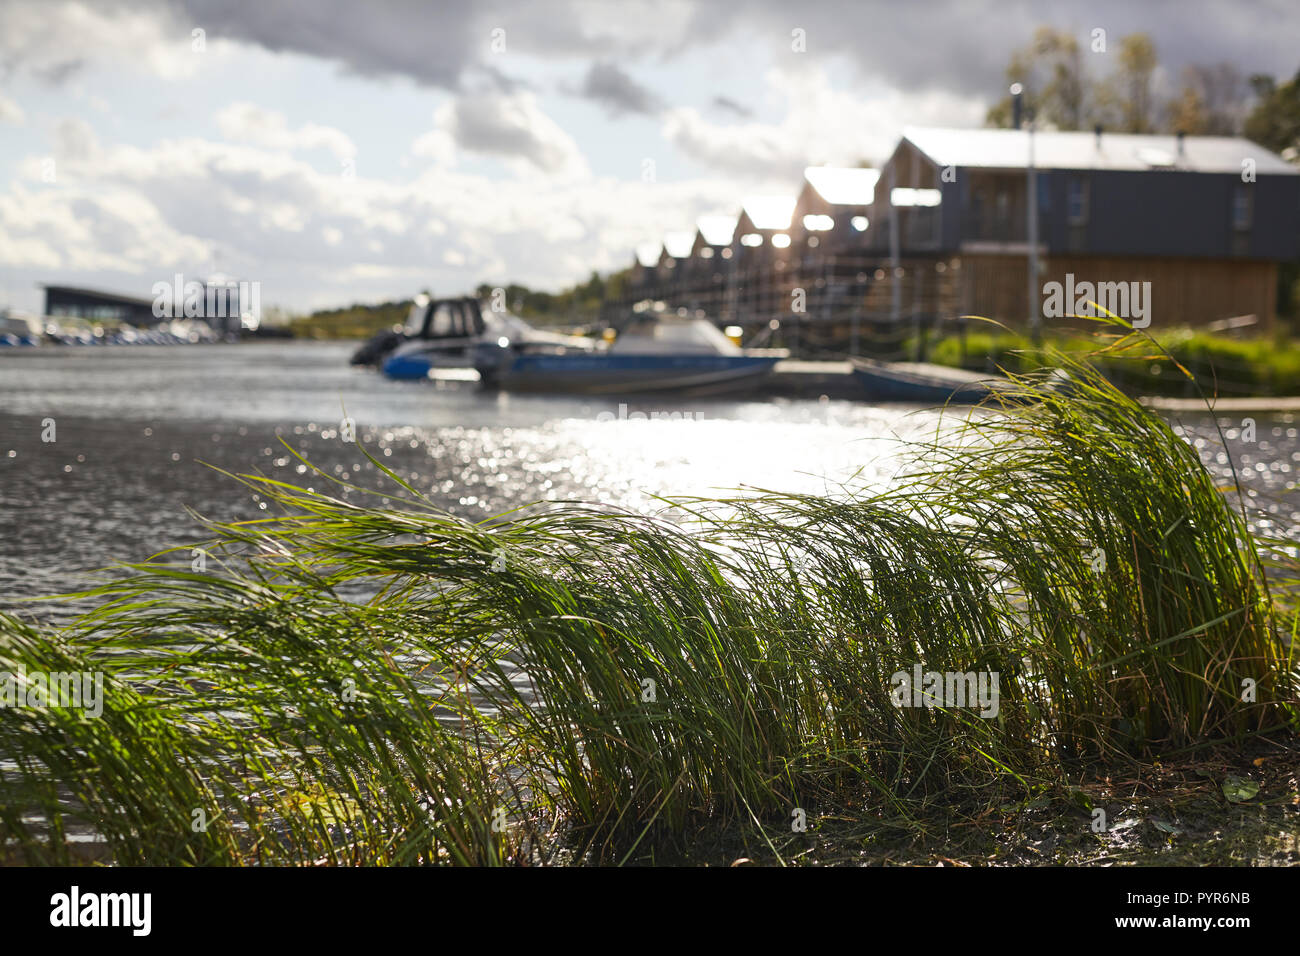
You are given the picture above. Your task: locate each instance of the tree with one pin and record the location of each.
(1126, 99)
(1055, 88)
(1212, 102)
(1275, 121)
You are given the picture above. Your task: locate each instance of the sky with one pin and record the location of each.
(340, 152)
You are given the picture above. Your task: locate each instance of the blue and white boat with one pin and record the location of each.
(446, 334)
(439, 333)
(18, 329)
(655, 352)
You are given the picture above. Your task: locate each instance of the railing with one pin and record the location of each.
(823, 307)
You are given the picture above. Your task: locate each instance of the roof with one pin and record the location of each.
(678, 244)
(842, 185)
(769, 212)
(717, 230)
(71, 291)
(1009, 149)
(647, 253)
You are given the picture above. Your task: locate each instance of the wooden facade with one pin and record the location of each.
(1183, 292)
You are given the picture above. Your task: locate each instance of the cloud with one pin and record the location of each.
(125, 216)
(511, 126)
(821, 124)
(11, 112)
(728, 105)
(950, 45)
(54, 40)
(75, 141)
(245, 122)
(608, 84)
(432, 44)
(751, 149)
(962, 46)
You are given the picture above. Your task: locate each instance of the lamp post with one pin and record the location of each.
(1031, 214)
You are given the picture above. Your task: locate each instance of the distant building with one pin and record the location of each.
(645, 261)
(1205, 220)
(675, 255)
(864, 258)
(226, 305)
(713, 235)
(763, 229)
(98, 306)
(831, 210)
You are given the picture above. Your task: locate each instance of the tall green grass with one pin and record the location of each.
(1216, 364)
(360, 677)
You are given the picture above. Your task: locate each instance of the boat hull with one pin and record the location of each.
(408, 365)
(630, 374)
(929, 385)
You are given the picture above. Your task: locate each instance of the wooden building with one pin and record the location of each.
(1205, 220)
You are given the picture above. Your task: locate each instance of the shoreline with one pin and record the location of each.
(1263, 404)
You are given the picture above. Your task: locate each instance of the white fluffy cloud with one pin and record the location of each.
(248, 123)
(821, 124)
(126, 216)
(11, 112)
(55, 39)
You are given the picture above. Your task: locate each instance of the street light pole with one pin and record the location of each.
(895, 290)
(1031, 230)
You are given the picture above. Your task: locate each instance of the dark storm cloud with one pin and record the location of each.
(608, 84)
(957, 46)
(964, 45)
(430, 43)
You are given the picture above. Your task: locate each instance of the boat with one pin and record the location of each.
(922, 382)
(439, 333)
(18, 329)
(653, 352)
(446, 334)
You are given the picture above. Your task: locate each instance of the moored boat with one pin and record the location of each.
(439, 333)
(447, 334)
(652, 353)
(922, 382)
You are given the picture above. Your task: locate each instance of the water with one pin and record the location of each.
(133, 428)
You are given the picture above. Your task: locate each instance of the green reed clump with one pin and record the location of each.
(1152, 619)
(371, 680)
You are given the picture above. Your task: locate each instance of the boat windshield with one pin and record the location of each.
(443, 318)
(415, 318)
(660, 335)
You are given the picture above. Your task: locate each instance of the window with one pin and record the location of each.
(443, 322)
(1241, 207)
(1076, 201)
(415, 320)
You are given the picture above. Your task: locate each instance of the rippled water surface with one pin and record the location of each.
(134, 428)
